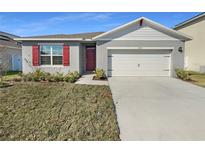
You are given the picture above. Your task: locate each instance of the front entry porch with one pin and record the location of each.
(88, 79)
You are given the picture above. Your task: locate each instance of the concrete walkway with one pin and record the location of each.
(88, 79)
(158, 108)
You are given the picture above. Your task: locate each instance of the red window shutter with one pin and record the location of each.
(66, 55)
(35, 55)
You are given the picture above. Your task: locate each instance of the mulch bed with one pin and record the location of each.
(101, 79)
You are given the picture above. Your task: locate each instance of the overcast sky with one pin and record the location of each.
(31, 24)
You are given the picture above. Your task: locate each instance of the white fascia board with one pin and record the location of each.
(113, 48)
(127, 39)
(148, 21)
(137, 48)
(190, 20)
(117, 28)
(48, 39)
(88, 40)
(168, 29)
(158, 48)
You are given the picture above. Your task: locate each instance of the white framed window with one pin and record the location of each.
(51, 54)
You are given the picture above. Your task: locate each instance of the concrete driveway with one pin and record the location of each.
(158, 108)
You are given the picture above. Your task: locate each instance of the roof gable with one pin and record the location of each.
(137, 32)
(153, 29)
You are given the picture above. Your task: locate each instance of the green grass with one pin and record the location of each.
(57, 111)
(198, 79)
(194, 77)
(11, 75)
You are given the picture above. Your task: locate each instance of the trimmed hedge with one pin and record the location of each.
(40, 75)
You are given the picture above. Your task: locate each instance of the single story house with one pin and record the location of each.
(139, 48)
(10, 52)
(195, 49)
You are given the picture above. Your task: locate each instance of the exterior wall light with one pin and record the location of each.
(180, 49)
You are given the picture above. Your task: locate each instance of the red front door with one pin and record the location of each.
(90, 58)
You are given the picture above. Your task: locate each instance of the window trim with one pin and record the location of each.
(51, 55)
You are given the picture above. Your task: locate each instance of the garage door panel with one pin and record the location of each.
(142, 66)
(138, 52)
(139, 57)
(139, 64)
(144, 73)
(146, 63)
(129, 62)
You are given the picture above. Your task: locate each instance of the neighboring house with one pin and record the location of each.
(195, 49)
(10, 52)
(139, 48)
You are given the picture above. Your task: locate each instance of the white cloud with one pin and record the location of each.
(38, 26)
(81, 16)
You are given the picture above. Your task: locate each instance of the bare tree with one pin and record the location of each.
(4, 61)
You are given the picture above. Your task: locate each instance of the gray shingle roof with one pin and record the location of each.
(6, 39)
(8, 35)
(10, 43)
(80, 35)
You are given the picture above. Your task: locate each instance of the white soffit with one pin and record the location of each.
(137, 48)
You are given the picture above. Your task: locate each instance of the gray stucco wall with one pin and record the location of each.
(75, 55)
(82, 58)
(102, 52)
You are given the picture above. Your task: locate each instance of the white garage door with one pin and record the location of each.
(139, 62)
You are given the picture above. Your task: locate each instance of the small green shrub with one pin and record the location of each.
(58, 77)
(182, 74)
(49, 77)
(27, 77)
(39, 75)
(72, 77)
(42, 76)
(76, 74)
(100, 74)
(67, 78)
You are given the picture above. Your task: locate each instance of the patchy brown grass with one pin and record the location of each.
(198, 79)
(194, 77)
(57, 111)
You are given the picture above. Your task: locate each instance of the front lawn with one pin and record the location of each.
(198, 79)
(12, 75)
(191, 76)
(57, 111)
